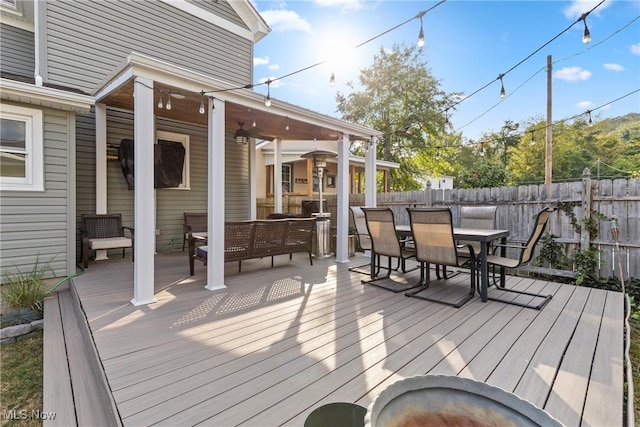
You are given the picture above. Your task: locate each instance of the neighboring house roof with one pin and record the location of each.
(23, 89)
(293, 150)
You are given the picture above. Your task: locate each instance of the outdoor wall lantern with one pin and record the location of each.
(320, 163)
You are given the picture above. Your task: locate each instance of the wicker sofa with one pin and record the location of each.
(257, 239)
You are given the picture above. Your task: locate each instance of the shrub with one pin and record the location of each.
(25, 290)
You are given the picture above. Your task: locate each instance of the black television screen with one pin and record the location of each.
(168, 163)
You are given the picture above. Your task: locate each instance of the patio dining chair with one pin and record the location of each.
(381, 228)
(434, 240)
(362, 236)
(525, 253)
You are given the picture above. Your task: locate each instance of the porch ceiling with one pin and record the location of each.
(185, 106)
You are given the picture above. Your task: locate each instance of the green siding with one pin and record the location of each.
(170, 203)
(35, 225)
(88, 40)
(17, 51)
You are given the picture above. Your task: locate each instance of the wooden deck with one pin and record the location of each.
(279, 342)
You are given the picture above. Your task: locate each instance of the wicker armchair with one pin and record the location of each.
(194, 222)
(103, 231)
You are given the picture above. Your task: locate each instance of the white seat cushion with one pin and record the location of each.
(110, 243)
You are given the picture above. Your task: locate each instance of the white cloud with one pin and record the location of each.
(573, 74)
(585, 105)
(274, 67)
(341, 4)
(614, 67)
(261, 61)
(285, 20)
(578, 7)
(635, 49)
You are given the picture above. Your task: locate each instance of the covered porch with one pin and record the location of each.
(277, 343)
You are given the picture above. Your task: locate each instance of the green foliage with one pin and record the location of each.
(552, 253)
(399, 96)
(586, 265)
(485, 172)
(20, 316)
(26, 289)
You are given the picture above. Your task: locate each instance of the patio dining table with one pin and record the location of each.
(484, 236)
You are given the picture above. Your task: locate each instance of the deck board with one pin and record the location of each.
(279, 342)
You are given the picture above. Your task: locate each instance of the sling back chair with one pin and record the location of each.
(384, 241)
(525, 254)
(362, 236)
(481, 217)
(432, 231)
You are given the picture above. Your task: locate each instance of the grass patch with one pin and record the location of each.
(21, 381)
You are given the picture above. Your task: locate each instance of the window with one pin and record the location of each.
(286, 178)
(21, 149)
(163, 137)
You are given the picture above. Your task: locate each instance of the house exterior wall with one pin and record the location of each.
(170, 203)
(36, 225)
(88, 40)
(17, 50)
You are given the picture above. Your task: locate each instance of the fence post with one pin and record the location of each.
(585, 237)
(427, 195)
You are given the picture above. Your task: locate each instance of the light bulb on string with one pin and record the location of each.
(503, 93)
(590, 122)
(254, 124)
(267, 100)
(533, 141)
(287, 124)
(332, 80)
(168, 106)
(201, 110)
(160, 99)
(586, 36)
(421, 33)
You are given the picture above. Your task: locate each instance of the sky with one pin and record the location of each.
(468, 44)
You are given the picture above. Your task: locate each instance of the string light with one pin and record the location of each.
(160, 99)
(286, 127)
(267, 100)
(254, 124)
(332, 80)
(586, 36)
(421, 33)
(201, 110)
(168, 106)
(533, 141)
(502, 91)
(590, 123)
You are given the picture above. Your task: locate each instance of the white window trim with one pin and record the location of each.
(34, 148)
(186, 169)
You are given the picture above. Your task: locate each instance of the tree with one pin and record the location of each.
(398, 96)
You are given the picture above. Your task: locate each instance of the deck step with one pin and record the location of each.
(69, 348)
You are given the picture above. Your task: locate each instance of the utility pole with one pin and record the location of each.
(548, 163)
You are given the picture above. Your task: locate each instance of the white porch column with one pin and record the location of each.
(370, 174)
(252, 179)
(101, 166)
(145, 215)
(216, 146)
(342, 220)
(277, 175)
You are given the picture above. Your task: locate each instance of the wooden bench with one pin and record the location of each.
(257, 239)
(193, 222)
(103, 231)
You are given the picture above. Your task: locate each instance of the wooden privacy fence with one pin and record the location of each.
(581, 220)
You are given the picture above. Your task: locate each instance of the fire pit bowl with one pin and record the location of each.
(440, 400)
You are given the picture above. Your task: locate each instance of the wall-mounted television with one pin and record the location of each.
(168, 163)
